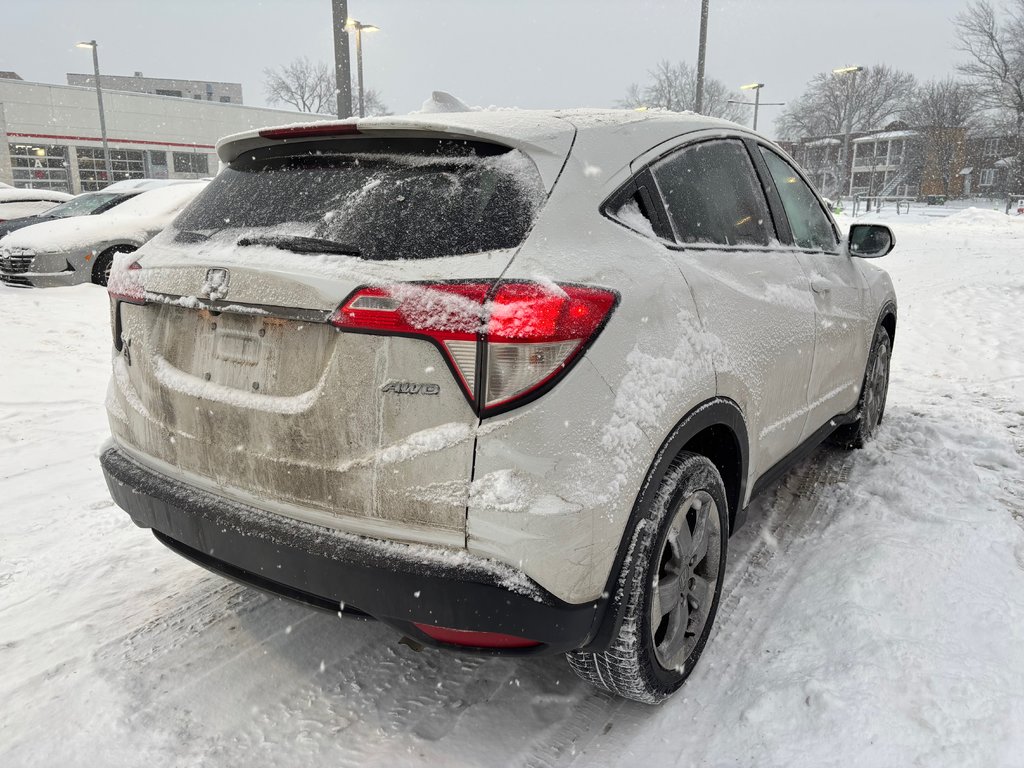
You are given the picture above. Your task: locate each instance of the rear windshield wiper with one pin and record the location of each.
(190, 236)
(298, 244)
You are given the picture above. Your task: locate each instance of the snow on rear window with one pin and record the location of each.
(390, 204)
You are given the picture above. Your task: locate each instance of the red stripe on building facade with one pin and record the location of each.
(109, 140)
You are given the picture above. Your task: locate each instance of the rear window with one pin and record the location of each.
(399, 199)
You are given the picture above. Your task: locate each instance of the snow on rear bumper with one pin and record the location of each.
(398, 584)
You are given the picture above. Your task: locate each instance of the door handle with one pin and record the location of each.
(820, 285)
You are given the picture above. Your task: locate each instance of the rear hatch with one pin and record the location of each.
(230, 370)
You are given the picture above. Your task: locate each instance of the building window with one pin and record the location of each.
(124, 163)
(165, 92)
(40, 166)
(991, 147)
(225, 99)
(191, 162)
(988, 177)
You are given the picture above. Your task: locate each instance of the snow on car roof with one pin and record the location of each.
(12, 195)
(157, 201)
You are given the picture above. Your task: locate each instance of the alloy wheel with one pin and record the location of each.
(684, 587)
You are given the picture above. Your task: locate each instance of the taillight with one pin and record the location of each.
(124, 283)
(504, 342)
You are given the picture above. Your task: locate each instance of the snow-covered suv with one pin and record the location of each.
(502, 380)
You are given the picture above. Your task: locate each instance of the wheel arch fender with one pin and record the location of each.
(887, 319)
(715, 422)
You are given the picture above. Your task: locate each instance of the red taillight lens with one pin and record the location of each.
(534, 331)
(530, 332)
(471, 639)
(124, 283)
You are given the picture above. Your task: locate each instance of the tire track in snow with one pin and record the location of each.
(179, 616)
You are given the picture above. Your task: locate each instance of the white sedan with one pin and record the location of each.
(82, 249)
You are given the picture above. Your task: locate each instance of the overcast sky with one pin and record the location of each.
(525, 53)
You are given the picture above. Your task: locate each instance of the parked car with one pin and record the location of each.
(81, 249)
(505, 381)
(15, 203)
(86, 204)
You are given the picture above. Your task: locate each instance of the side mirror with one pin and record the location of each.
(871, 241)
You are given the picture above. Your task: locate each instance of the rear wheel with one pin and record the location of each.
(680, 550)
(871, 406)
(101, 267)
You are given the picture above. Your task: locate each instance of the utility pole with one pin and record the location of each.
(698, 102)
(342, 66)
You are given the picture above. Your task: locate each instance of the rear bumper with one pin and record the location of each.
(395, 583)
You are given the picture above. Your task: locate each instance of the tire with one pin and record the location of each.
(871, 406)
(660, 641)
(101, 267)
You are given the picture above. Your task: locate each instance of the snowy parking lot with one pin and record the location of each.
(873, 612)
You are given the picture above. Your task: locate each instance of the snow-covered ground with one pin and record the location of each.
(873, 614)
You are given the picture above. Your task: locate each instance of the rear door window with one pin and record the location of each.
(712, 195)
(416, 200)
(811, 226)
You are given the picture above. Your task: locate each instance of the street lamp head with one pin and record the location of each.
(86, 44)
(751, 86)
(359, 26)
(847, 70)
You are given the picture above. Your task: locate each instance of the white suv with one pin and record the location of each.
(502, 380)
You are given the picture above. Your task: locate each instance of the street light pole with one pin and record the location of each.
(698, 102)
(99, 101)
(359, 27)
(756, 88)
(342, 64)
(756, 104)
(847, 175)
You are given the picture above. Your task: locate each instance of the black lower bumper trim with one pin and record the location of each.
(395, 583)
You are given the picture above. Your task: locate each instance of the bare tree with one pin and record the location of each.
(995, 64)
(310, 87)
(943, 112)
(674, 86)
(882, 94)
(373, 104)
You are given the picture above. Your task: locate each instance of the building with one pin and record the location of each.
(197, 90)
(886, 164)
(989, 162)
(50, 135)
(907, 163)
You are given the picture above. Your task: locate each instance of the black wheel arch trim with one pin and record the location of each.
(717, 411)
(888, 308)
